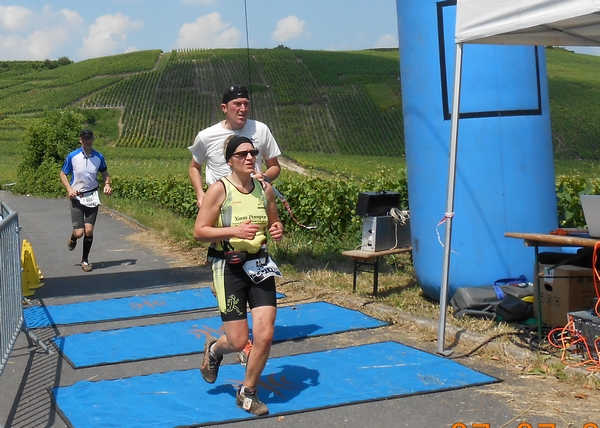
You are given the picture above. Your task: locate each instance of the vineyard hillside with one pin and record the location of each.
(314, 101)
(329, 102)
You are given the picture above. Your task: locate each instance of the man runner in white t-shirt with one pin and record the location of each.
(208, 147)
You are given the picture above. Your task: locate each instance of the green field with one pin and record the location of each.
(339, 112)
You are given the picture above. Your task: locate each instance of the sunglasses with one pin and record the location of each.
(244, 154)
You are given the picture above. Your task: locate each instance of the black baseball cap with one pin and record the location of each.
(235, 92)
(86, 133)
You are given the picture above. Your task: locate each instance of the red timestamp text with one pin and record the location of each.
(521, 425)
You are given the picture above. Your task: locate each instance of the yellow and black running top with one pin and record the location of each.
(239, 207)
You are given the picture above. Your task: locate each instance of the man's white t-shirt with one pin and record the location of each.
(209, 147)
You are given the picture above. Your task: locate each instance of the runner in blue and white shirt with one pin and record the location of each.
(83, 165)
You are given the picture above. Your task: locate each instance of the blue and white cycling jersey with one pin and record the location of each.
(84, 170)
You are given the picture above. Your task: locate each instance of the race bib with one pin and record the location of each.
(259, 272)
(90, 199)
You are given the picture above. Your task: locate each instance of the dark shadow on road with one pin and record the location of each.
(113, 263)
(97, 282)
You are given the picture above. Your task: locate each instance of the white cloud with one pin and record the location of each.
(13, 47)
(14, 18)
(288, 28)
(71, 18)
(108, 35)
(387, 41)
(38, 45)
(27, 34)
(41, 44)
(209, 31)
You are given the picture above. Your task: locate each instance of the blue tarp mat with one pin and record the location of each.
(121, 308)
(187, 337)
(289, 385)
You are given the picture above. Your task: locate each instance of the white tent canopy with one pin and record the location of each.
(509, 22)
(529, 22)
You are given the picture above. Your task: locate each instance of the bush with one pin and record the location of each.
(329, 205)
(48, 140)
(568, 189)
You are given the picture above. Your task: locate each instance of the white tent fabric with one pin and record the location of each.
(529, 22)
(508, 22)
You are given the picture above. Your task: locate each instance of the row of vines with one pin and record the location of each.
(34, 90)
(300, 95)
(27, 99)
(318, 101)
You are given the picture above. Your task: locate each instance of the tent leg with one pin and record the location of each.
(450, 199)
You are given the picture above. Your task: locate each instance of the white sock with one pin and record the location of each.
(243, 389)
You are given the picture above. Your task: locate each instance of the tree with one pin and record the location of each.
(63, 60)
(48, 140)
(49, 64)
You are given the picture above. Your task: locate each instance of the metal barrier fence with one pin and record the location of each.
(11, 298)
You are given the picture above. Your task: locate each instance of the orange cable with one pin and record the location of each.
(569, 337)
(596, 276)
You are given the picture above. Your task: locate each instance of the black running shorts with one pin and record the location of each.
(235, 290)
(80, 214)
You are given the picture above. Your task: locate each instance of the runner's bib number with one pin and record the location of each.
(90, 199)
(259, 272)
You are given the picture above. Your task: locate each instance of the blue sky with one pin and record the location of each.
(38, 30)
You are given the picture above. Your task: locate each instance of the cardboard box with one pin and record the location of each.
(565, 289)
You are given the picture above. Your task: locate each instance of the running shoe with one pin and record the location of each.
(210, 365)
(248, 401)
(245, 354)
(71, 243)
(86, 266)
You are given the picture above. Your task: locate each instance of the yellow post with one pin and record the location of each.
(30, 276)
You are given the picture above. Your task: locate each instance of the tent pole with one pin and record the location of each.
(450, 198)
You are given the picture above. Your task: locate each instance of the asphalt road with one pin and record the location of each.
(123, 266)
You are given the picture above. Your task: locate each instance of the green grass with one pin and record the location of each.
(347, 165)
(384, 96)
(104, 123)
(8, 169)
(130, 162)
(11, 135)
(586, 169)
(172, 228)
(163, 60)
